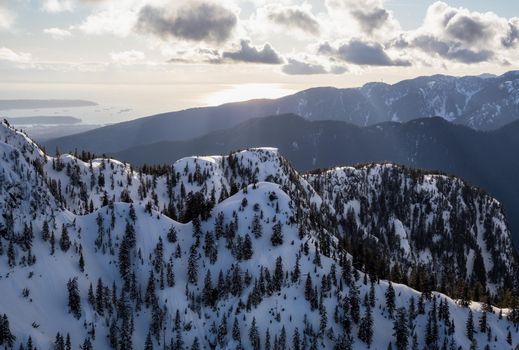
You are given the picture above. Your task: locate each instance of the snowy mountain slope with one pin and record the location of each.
(422, 223)
(260, 259)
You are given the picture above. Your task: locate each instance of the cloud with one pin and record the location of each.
(295, 67)
(55, 6)
(369, 15)
(127, 57)
(362, 53)
(294, 17)
(119, 22)
(57, 33)
(6, 18)
(250, 54)
(19, 58)
(459, 35)
(302, 67)
(371, 19)
(194, 22)
(449, 50)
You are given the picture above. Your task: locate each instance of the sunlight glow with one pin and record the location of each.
(244, 92)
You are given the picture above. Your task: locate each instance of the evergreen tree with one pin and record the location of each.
(277, 234)
(366, 327)
(257, 227)
(390, 299)
(192, 265)
(296, 341)
(74, 300)
(354, 303)
(277, 279)
(247, 249)
(470, 326)
(254, 336)
(6, 336)
(236, 336)
(64, 241)
(483, 323)
(172, 234)
(148, 345)
(401, 330)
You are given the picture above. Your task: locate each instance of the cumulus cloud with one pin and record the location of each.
(302, 67)
(197, 21)
(127, 57)
(294, 17)
(369, 15)
(250, 54)
(362, 53)
(459, 35)
(295, 67)
(119, 22)
(6, 18)
(57, 33)
(55, 6)
(18, 58)
(448, 50)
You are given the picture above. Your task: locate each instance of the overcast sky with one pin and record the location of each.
(274, 46)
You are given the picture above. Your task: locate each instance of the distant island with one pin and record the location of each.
(44, 120)
(32, 104)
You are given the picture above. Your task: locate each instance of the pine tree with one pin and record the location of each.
(64, 241)
(45, 235)
(74, 300)
(148, 345)
(236, 336)
(11, 255)
(297, 271)
(170, 275)
(172, 235)
(470, 326)
(390, 299)
(207, 291)
(366, 327)
(296, 341)
(257, 227)
(277, 279)
(196, 344)
(277, 235)
(254, 336)
(150, 297)
(483, 323)
(247, 249)
(354, 303)
(192, 265)
(6, 336)
(401, 330)
(81, 262)
(87, 344)
(222, 331)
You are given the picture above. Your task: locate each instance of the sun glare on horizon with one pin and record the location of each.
(245, 92)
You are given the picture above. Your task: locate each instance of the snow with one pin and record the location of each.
(268, 186)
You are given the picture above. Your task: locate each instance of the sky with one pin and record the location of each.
(163, 55)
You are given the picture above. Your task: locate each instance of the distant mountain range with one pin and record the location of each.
(482, 102)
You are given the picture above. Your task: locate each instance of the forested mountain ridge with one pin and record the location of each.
(483, 158)
(405, 223)
(92, 257)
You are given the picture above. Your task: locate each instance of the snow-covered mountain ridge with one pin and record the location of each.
(90, 259)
